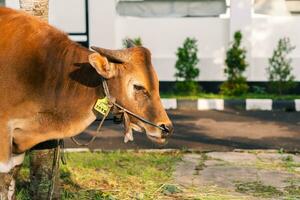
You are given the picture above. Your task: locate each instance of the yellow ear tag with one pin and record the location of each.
(102, 106)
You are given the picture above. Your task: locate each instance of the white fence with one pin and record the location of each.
(163, 35)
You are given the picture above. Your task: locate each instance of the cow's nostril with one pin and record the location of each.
(167, 130)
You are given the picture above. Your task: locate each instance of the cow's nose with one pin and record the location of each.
(167, 130)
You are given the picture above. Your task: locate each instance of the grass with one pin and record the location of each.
(289, 164)
(201, 164)
(112, 176)
(123, 176)
(286, 164)
(219, 96)
(148, 176)
(211, 192)
(257, 189)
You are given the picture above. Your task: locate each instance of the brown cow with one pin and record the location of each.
(49, 86)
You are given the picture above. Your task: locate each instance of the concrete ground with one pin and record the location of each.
(211, 131)
(251, 175)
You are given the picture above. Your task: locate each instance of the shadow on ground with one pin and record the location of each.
(211, 131)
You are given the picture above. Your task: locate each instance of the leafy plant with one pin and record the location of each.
(128, 42)
(169, 189)
(281, 79)
(186, 67)
(236, 65)
(258, 189)
(258, 90)
(185, 88)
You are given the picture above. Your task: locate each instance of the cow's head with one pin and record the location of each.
(132, 80)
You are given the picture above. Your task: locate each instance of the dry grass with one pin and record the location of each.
(115, 175)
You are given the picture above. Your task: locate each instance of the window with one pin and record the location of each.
(293, 6)
(277, 7)
(171, 8)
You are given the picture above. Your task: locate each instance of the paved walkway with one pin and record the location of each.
(239, 175)
(212, 131)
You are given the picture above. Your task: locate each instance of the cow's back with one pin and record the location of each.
(22, 35)
(28, 46)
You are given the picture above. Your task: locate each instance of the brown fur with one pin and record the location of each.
(36, 61)
(48, 88)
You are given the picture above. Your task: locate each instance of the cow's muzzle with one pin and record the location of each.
(167, 130)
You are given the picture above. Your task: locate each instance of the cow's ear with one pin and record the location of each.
(102, 66)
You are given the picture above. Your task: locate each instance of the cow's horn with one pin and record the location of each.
(118, 56)
(129, 43)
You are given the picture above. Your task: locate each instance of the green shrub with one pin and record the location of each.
(236, 65)
(187, 87)
(186, 67)
(258, 90)
(128, 42)
(235, 88)
(281, 79)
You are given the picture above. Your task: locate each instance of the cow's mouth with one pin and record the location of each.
(158, 140)
(155, 137)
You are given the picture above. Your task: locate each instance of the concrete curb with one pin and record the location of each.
(169, 103)
(258, 104)
(297, 105)
(210, 104)
(83, 150)
(227, 104)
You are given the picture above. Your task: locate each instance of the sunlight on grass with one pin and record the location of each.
(110, 176)
(123, 175)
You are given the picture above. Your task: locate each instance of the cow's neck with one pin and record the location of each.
(77, 83)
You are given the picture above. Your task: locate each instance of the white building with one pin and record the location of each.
(163, 26)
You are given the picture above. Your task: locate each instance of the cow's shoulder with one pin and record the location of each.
(32, 28)
(5, 11)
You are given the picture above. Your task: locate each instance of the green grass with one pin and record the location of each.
(219, 96)
(111, 176)
(257, 189)
(124, 176)
(286, 164)
(148, 176)
(289, 164)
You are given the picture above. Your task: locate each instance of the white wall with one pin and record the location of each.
(70, 20)
(266, 32)
(163, 35)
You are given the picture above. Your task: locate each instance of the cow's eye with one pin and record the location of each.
(139, 88)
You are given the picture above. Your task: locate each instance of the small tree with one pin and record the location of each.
(127, 42)
(186, 67)
(236, 65)
(280, 70)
